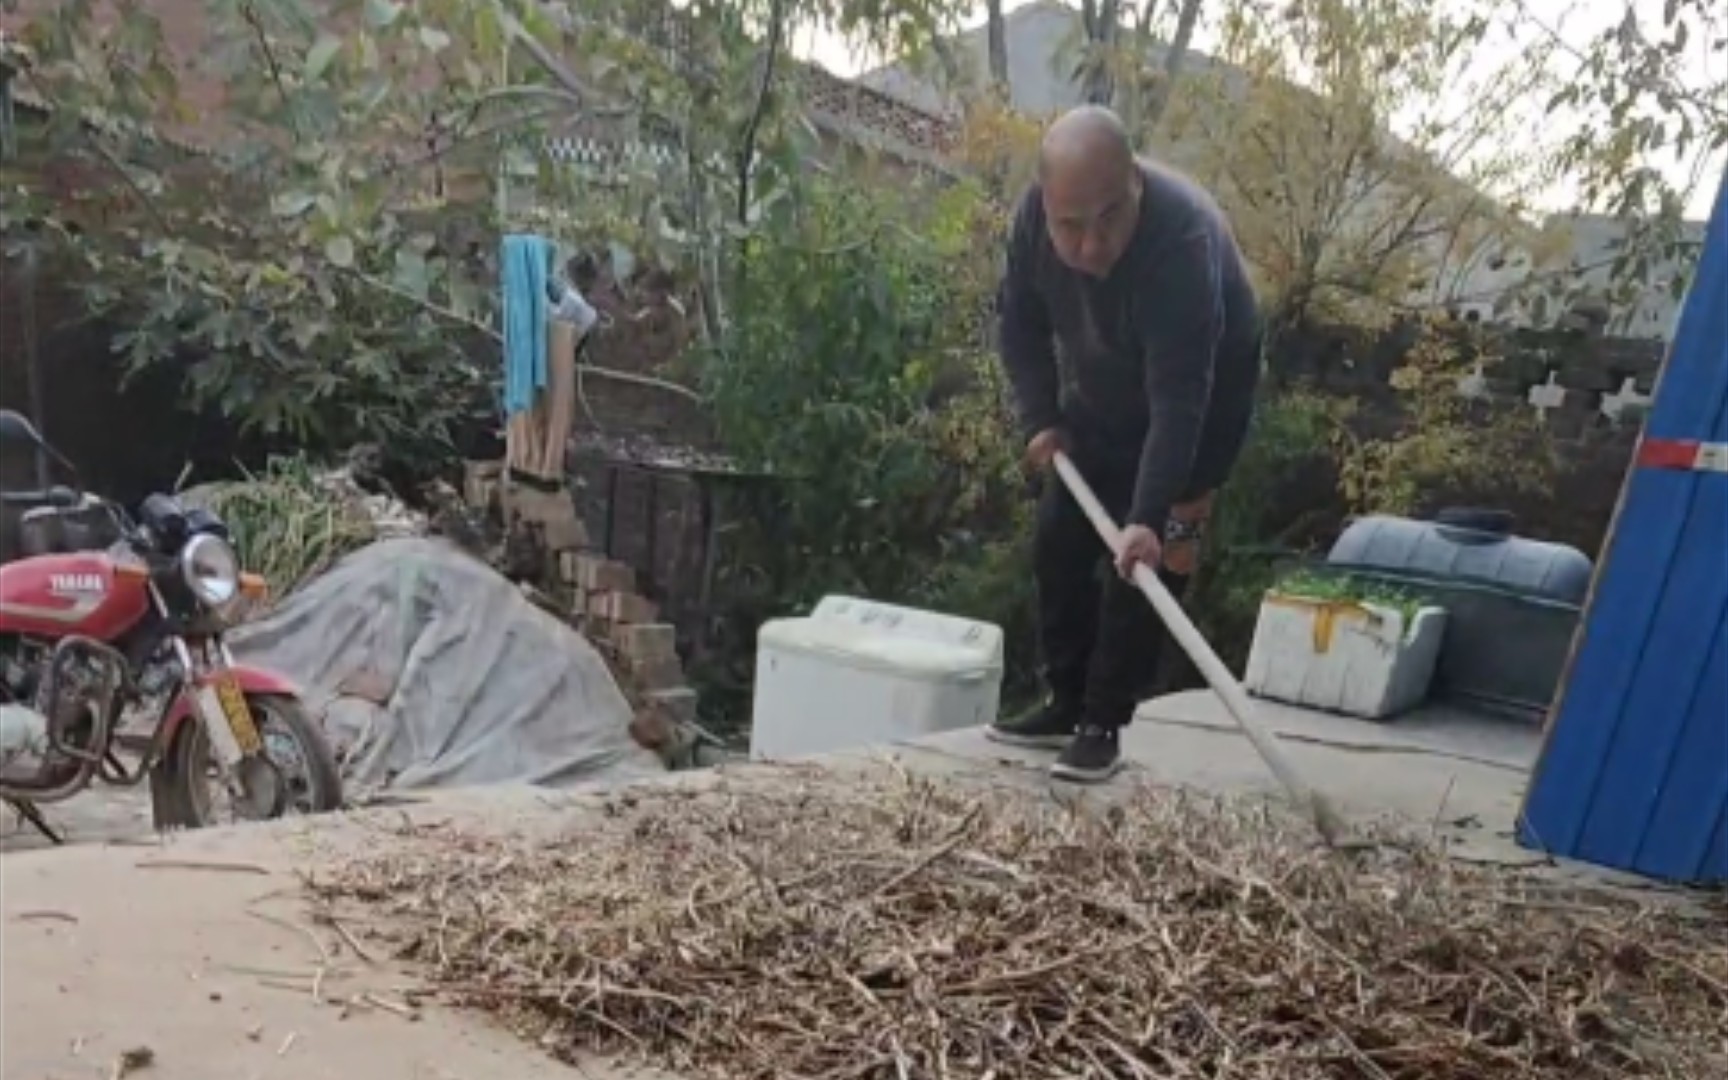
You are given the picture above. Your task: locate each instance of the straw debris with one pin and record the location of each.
(885, 927)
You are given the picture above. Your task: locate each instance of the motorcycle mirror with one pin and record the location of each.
(15, 427)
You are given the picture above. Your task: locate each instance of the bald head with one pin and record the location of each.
(1090, 184)
(1090, 138)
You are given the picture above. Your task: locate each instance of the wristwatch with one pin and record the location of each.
(1177, 531)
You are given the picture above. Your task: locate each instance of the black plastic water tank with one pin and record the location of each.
(1512, 603)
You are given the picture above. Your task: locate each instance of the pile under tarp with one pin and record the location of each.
(431, 670)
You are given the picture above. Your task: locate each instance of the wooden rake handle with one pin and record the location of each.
(1326, 817)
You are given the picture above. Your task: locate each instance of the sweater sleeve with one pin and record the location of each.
(1026, 335)
(1180, 322)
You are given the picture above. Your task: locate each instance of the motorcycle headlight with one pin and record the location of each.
(212, 570)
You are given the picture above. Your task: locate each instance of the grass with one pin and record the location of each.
(1347, 589)
(286, 525)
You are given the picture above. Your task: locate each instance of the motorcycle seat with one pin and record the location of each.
(58, 496)
(19, 508)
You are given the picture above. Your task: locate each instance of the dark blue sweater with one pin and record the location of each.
(1157, 360)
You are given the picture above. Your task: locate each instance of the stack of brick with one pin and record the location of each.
(603, 601)
(615, 616)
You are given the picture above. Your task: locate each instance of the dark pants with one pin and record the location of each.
(1100, 637)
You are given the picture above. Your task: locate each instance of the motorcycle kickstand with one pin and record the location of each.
(32, 814)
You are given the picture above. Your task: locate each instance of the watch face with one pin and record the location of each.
(1176, 529)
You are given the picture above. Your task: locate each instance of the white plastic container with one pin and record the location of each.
(856, 673)
(1357, 659)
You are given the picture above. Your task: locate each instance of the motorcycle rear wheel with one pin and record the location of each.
(185, 786)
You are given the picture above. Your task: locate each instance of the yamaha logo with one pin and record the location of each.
(76, 584)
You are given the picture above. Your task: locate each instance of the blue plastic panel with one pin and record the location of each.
(1635, 772)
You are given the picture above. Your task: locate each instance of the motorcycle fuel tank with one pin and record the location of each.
(87, 593)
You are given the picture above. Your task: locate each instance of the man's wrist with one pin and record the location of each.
(1033, 426)
(1153, 521)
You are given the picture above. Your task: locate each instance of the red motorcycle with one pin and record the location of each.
(106, 617)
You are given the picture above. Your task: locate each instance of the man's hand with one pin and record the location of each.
(1139, 547)
(1041, 451)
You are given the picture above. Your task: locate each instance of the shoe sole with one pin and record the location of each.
(1076, 775)
(1028, 742)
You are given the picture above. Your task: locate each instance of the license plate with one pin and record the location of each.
(238, 714)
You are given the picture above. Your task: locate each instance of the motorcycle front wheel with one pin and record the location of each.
(296, 774)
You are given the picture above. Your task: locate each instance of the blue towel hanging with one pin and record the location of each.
(527, 260)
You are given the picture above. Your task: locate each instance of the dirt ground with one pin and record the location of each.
(95, 816)
(116, 942)
(183, 948)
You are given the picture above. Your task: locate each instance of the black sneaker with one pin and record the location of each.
(1093, 756)
(1049, 727)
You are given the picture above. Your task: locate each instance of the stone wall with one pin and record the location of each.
(1589, 392)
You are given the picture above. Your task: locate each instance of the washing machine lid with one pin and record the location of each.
(893, 620)
(856, 646)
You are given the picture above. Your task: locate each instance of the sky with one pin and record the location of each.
(1576, 22)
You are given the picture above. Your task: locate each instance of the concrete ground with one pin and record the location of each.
(110, 946)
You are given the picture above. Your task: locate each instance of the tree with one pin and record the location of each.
(1446, 444)
(1644, 104)
(1115, 62)
(996, 30)
(1187, 19)
(327, 259)
(1100, 22)
(1362, 152)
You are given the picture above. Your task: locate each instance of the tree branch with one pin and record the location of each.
(1697, 100)
(249, 13)
(1174, 60)
(561, 74)
(461, 135)
(432, 307)
(764, 93)
(108, 157)
(641, 380)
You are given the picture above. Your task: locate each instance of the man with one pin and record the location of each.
(1130, 273)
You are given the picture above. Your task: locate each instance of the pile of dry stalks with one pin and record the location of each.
(885, 927)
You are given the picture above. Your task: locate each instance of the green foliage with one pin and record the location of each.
(1255, 521)
(286, 525)
(325, 260)
(1356, 182)
(1308, 584)
(853, 368)
(844, 324)
(1643, 108)
(295, 276)
(1445, 442)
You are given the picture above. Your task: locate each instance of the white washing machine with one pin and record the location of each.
(857, 673)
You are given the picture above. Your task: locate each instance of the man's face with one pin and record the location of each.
(1092, 214)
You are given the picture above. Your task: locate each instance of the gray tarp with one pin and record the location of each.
(429, 669)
